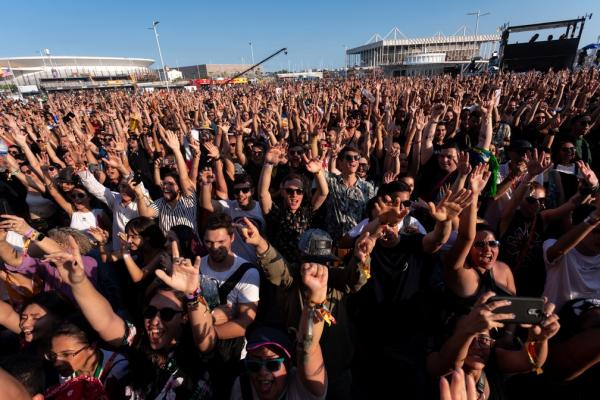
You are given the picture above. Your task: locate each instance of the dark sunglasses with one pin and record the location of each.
(350, 158)
(568, 149)
(480, 244)
(296, 152)
(244, 190)
(165, 314)
(78, 195)
(291, 191)
(272, 365)
(407, 203)
(532, 200)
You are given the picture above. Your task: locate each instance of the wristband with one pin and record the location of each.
(591, 220)
(533, 358)
(193, 296)
(320, 312)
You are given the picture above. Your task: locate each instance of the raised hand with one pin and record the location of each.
(314, 165)
(274, 155)
(451, 205)
(388, 212)
(213, 151)
(69, 263)
(482, 317)
(185, 276)
(207, 177)
(461, 387)
(13, 223)
(479, 178)
(365, 245)
(589, 176)
(549, 326)
(99, 235)
(250, 233)
(171, 140)
(389, 176)
(314, 278)
(538, 163)
(463, 165)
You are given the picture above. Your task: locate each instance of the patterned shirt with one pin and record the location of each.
(346, 205)
(284, 227)
(183, 213)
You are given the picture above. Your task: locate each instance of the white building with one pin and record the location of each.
(36, 70)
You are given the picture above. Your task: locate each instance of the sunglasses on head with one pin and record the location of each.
(165, 314)
(272, 365)
(532, 200)
(291, 191)
(351, 158)
(480, 244)
(244, 190)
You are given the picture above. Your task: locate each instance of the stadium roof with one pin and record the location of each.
(72, 61)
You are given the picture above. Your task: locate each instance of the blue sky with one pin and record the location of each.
(196, 32)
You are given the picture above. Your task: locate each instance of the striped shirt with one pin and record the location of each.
(184, 212)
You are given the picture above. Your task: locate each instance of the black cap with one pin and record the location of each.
(262, 336)
(316, 246)
(520, 144)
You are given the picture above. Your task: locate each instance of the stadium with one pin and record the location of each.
(52, 72)
(398, 55)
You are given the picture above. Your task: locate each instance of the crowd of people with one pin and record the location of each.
(342, 239)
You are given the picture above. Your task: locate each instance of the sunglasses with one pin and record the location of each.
(351, 158)
(480, 244)
(532, 200)
(296, 152)
(568, 149)
(244, 190)
(51, 168)
(291, 191)
(407, 203)
(78, 195)
(272, 365)
(165, 314)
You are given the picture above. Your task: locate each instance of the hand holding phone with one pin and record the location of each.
(527, 310)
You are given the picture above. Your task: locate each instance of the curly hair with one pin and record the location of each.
(61, 235)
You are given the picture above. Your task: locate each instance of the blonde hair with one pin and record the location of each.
(61, 235)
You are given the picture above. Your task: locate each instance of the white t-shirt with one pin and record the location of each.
(233, 209)
(82, 221)
(295, 389)
(571, 276)
(245, 291)
(407, 222)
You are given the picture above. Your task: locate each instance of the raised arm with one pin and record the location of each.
(171, 139)
(9, 318)
(310, 363)
(315, 166)
(272, 158)
(96, 309)
(184, 278)
(429, 132)
(206, 201)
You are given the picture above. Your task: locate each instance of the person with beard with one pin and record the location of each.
(439, 172)
(293, 213)
(390, 310)
(471, 347)
(167, 351)
(179, 204)
(244, 206)
(348, 195)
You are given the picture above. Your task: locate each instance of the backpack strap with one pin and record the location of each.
(233, 280)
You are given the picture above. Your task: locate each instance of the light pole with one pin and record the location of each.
(478, 14)
(251, 52)
(154, 24)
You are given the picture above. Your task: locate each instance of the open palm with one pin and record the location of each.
(185, 276)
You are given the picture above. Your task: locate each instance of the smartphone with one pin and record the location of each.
(195, 133)
(68, 117)
(137, 178)
(5, 208)
(527, 310)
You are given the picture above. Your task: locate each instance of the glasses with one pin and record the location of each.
(244, 190)
(351, 158)
(63, 355)
(568, 149)
(13, 152)
(484, 341)
(51, 168)
(406, 203)
(296, 152)
(532, 200)
(272, 365)
(297, 192)
(78, 195)
(480, 244)
(363, 165)
(26, 171)
(165, 314)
